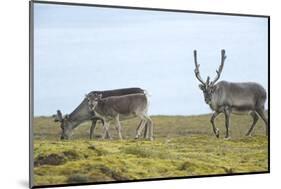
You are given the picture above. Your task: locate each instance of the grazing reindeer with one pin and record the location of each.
(70, 122)
(114, 92)
(118, 108)
(82, 113)
(228, 97)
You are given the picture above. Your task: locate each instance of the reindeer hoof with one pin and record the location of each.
(151, 139)
(227, 138)
(217, 133)
(248, 135)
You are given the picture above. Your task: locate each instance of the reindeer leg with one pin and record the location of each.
(118, 127)
(255, 119)
(93, 127)
(145, 134)
(216, 130)
(150, 123)
(262, 115)
(107, 135)
(227, 121)
(105, 126)
(151, 129)
(139, 129)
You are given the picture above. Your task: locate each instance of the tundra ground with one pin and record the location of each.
(183, 146)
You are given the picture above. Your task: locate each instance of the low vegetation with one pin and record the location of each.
(183, 146)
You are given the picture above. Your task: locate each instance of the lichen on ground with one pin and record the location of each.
(183, 146)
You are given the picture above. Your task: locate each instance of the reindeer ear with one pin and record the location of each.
(201, 86)
(58, 117)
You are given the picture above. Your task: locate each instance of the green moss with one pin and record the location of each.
(78, 178)
(184, 146)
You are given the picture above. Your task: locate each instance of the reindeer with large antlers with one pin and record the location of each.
(227, 97)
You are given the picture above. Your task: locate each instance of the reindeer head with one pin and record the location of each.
(65, 123)
(93, 100)
(208, 87)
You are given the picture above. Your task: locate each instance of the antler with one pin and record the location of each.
(223, 57)
(196, 71)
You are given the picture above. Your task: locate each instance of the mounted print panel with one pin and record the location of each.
(121, 94)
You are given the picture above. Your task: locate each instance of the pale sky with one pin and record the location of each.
(79, 49)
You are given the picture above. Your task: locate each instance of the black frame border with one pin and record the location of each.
(31, 88)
